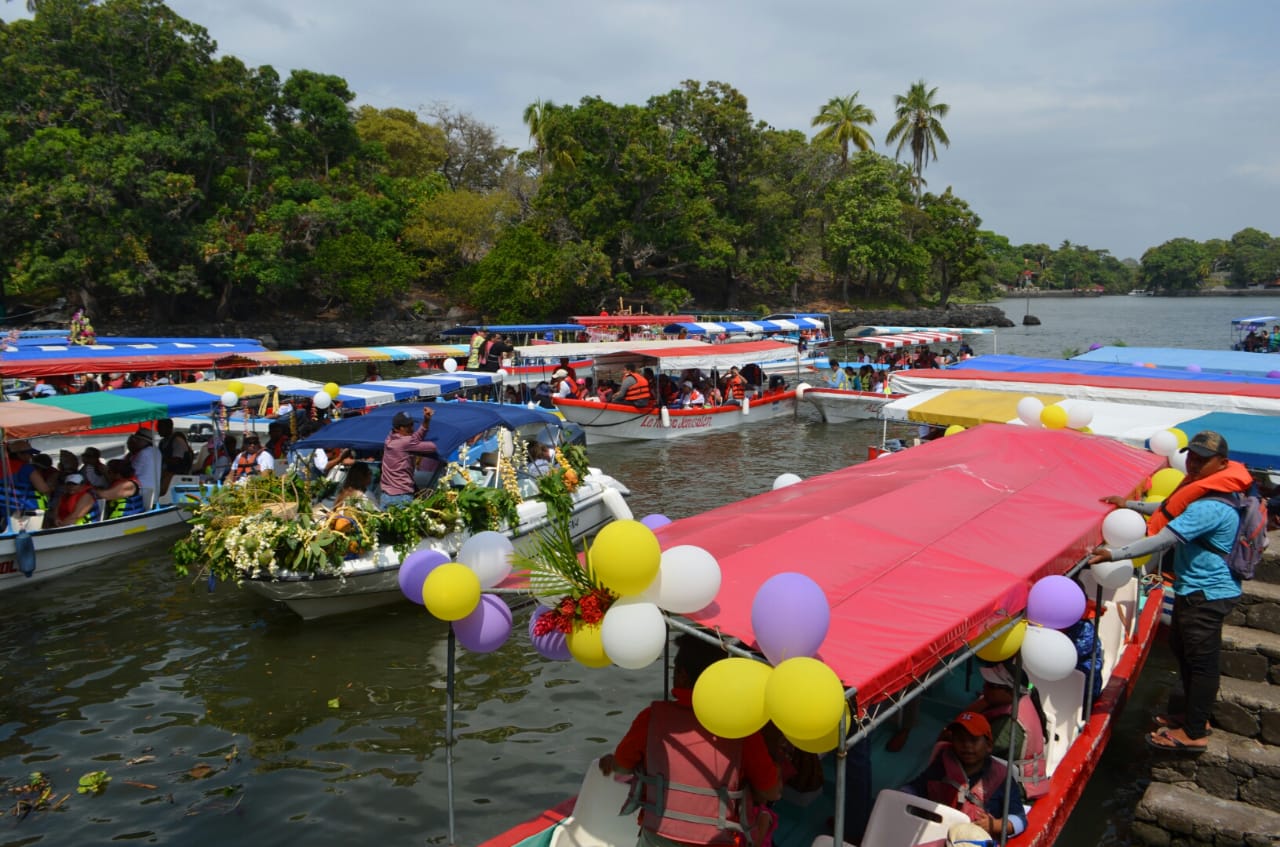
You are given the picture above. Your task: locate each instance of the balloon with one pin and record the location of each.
(1178, 461)
(451, 591)
(655, 521)
(1195, 369)
(1163, 443)
(1113, 574)
(236, 387)
(1180, 435)
(790, 616)
(728, 698)
(500, 374)
(1273, 374)
(1029, 409)
(954, 429)
(1056, 602)
(1004, 645)
(1123, 526)
(1164, 481)
(1139, 364)
(688, 580)
(489, 555)
(625, 557)
(1048, 653)
(332, 389)
(414, 569)
(827, 742)
(487, 627)
(551, 645)
(585, 645)
(230, 398)
(804, 698)
(633, 633)
(1150, 365)
(450, 365)
(1053, 417)
(1079, 416)
(1094, 346)
(321, 400)
(784, 480)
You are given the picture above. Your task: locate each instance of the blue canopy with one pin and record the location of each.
(1028, 364)
(795, 324)
(1252, 439)
(1234, 362)
(1256, 322)
(452, 425)
(361, 394)
(181, 402)
(535, 328)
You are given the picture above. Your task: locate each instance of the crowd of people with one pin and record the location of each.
(1260, 341)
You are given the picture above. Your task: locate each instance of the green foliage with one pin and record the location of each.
(94, 782)
(1175, 266)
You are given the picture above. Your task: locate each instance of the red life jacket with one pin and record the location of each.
(68, 501)
(734, 387)
(954, 789)
(1032, 764)
(693, 788)
(638, 391)
(1235, 477)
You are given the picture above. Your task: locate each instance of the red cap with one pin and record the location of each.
(974, 724)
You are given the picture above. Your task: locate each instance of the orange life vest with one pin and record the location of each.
(1235, 477)
(734, 387)
(638, 391)
(246, 466)
(954, 790)
(1031, 763)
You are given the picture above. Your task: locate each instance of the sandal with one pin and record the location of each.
(1170, 744)
(1174, 722)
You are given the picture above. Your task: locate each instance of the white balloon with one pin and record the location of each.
(322, 400)
(1113, 574)
(500, 374)
(1178, 461)
(229, 399)
(1048, 653)
(1123, 526)
(634, 633)
(688, 580)
(785, 479)
(489, 555)
(1079, 415)
(450, 365)
(1164, 443)
(1029, 409)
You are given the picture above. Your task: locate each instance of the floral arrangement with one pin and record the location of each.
(554, 569)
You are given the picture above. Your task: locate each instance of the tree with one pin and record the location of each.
(918, 124)
(1175, 266)
(1254, 257)
(412, 149)
(843, 119)
(315, 119)
(951, 237)
(868, 236)
(474, 159)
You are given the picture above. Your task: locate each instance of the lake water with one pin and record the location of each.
(221, 718)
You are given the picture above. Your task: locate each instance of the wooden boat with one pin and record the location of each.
(906, 609)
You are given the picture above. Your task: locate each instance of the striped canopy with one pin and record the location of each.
(342, 355)
(909, 339)
(367, 394)
(796, 324)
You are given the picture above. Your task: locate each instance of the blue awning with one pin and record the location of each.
(452, 425)
(362, 394)
(1234, 362)
(1251, 439)
(1031, 365)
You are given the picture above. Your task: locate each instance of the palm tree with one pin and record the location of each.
(537, 116)
(918, 124)
(563, 150)
(842, 120)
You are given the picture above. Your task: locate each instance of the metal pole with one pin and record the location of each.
(448, 732)
(1013, 738)
(1093, 659)
(842, 753)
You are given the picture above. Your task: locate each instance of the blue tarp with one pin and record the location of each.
(1030, 365)
(1252, 439)
(1233, 362)
(535, 328)
(452, 425)
(383, 391)
(182, 402)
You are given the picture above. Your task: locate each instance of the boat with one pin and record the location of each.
(1234, 363)
(29, 554)
(907, 612)
(840, 405)
(813, 328)
(1242, 328)
(621, 422)
(369, 578)
(52, 357)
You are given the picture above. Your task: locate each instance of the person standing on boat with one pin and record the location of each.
(176, 454)
(145, 460)
(683, 771)
(475, 350)
(634, 389)
(1202, 530)
(497, 348)
(403, 445)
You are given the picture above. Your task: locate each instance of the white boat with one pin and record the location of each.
(839, 405)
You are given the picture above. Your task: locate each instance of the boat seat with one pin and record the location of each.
(900, 819)
(596, 821)
(1062, 701)
(1111, 636)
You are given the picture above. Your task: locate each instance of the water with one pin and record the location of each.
(212, 713)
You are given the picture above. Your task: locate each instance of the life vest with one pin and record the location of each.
(246, 465)
(124, 506)
(839, 379)
(67, 504)
(1032, 764)
(734, 387)
(695, 399)
(577, 392)
(954, 790)
(639, 391)
(473, 354)
(20, 495)
(692, 788)
(1235, 477)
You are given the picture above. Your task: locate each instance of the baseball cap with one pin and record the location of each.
(401, 419)
(1206, 444)
(974, 724)
(560, 373)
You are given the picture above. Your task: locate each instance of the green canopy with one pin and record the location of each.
(106, 409)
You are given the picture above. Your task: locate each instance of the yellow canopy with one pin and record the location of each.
(970, 407)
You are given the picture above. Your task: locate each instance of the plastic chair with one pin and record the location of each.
(1062, 701)
(904, 820)
(595, 821)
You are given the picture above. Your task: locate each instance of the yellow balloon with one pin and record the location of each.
(451, 591)
(953, 429)
(728, 698)
(1086, 430)
(1053, 417)
(332, 389)
(587, 646)
(1004, 646)
(827, 742)
(1180, 435)
(1164, 481)
(625, 557)
(236, 387)
(803, 697)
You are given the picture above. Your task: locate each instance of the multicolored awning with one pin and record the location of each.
(111, 355)
(342, 355)
(909, 339)
(366, 394)
(797, 324)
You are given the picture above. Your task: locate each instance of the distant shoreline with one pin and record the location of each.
(1213, 292)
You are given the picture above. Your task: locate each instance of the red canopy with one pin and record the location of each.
(630, 320)
(918, 552)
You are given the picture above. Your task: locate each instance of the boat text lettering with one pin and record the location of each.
(699, 422)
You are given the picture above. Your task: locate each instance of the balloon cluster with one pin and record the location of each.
(1034, 413)
(453, 590)
(1169, 443)
(232, 395)
(324, 398)
(804, 698)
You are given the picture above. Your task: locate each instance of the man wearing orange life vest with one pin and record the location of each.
(1202, 530)
(735, 387)
(634, 390)
(679, 765)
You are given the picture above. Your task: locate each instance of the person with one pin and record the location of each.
(735, 387)
(691, 397)
(561, 387)
(402, 444)
(26, 491)
(968, 835)
(371, 373)
(682, 770)
(964, 775)
(1027, 729)
(498, 348)
(1201, 530)
(567, 367)
(252, 461)
(215, 456)
(634, 389)
(475, 349)
(77, 503)
(540, 459)
(123, 494)
(92, 468)
(352, 498)
(838, 378)
(965, 351)
(1084, 635)
(176, 454)
(144, 458)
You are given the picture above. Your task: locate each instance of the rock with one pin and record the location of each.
(1030, 320)
(956, 316)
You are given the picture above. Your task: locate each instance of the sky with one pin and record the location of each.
(1116, 124)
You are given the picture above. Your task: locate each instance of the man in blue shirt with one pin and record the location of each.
(1205, 591)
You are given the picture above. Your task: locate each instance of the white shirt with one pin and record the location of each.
(146, 467)
(564, 390)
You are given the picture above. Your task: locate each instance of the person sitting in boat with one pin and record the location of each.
(27, 490)
(690, 397)
(964, 351)
(371, 373)
(561, 386)
(92, 467)
(541, 459)
(837, 378)
(996, 705)
(668, 392)
(777, 385)
(252, 461)
(568, 368)
(1084, 635)
(123, 495)
(402, 446)
(176, 455)
(352, 500)
(77, 503)
(542, 395)
(735, 387)
(682, 770)
(964, 775)
(634, 389)
(215, 456)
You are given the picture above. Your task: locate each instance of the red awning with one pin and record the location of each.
(920, 551)
(630, 320)
(906, 339)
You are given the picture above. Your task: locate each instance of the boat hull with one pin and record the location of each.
(838, 405)
(604, 422)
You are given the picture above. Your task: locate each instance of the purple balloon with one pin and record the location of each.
(1273, 374)
(655, 521)
(1195, 369)
(1095, 346)
(414, 570)
(790, 616)
(552, 645)
(1055, 602)
(485, 629)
